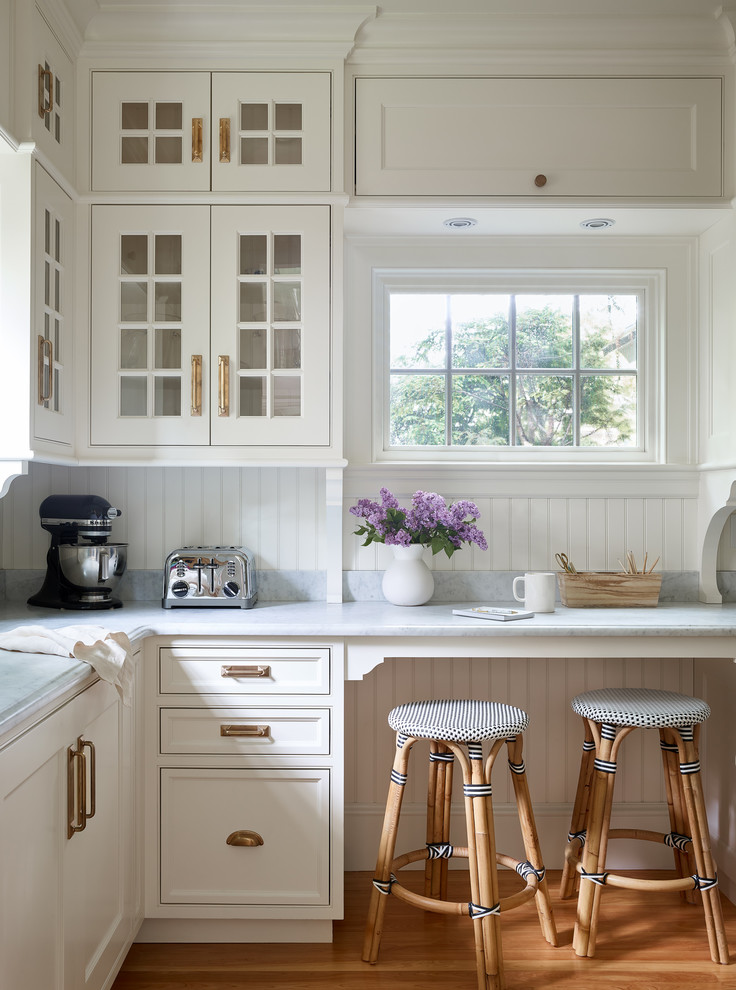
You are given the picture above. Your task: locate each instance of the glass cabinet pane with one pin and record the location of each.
(166, 396)
(252, 396)
(287, 348)
(253, 348)
(133, 396)
(168, 150)
(287, 151)
(167, 348)
(253, 254)
(287, 301)
(252, 302)
(287, 254)
(134, 254)
(254, 117)
(133, 348)
(133, 302)
(288, 116)
(168, 301)
(287, 396)
(254, 151)
(167, 254)
(134, 117)
(134, 150)
(168, 116)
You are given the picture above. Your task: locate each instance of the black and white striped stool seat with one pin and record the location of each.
(457, 720)
(644, 707)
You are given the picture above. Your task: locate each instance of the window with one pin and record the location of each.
(472, 369)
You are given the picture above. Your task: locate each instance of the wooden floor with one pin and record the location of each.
(646, 942)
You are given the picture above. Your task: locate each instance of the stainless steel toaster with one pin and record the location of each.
(210, 576)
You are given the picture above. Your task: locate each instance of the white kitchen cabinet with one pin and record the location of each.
(228, 349)
(265, 132)
(69, 901)
(541, 137)
(244, 803)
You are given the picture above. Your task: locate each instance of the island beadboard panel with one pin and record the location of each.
(552, 746)
(279, 513)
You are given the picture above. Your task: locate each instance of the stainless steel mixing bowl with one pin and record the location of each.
(94, 567)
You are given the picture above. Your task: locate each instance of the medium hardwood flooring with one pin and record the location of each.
(646, 942)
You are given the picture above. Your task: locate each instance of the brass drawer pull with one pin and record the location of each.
(78, 813)
(244, 837)
(245, 670)
(197, 144)
(223, 385)
(45, 385)
(45, 104)
(224, 139)
(245, 730)
(196, 385)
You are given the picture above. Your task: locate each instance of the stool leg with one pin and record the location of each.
(684, 858)
(482, 866)
(377, 907)
(698, 823)
(529, 834)
(579, 813)
(439, 801)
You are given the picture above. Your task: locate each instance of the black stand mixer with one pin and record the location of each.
(82, 568)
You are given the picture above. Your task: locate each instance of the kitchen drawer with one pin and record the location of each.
(288, 809)
(235, 732)
(244, 671)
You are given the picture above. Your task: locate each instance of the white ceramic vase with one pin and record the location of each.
(407, 580)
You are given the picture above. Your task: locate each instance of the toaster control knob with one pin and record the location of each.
(231, 589)
(180, 589)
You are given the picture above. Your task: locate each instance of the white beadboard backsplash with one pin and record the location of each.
(279, 513)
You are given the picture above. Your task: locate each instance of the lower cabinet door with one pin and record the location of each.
(231, 836)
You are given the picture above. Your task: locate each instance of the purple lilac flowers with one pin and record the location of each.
(430, 522)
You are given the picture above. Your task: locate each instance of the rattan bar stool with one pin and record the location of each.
(609, 715)
(457, 730)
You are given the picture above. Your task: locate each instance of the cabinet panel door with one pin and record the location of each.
(51, 81)
(150, 130)
(288, 809)
(150, 325)
(279, 131)
(270, 367)
(52, 342)
(493, 137)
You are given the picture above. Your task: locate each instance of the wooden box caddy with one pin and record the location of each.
(609, 589)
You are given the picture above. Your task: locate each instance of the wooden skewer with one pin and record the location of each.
(653, 566)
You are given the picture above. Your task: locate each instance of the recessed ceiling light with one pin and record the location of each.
(458, 223)
(597, 223)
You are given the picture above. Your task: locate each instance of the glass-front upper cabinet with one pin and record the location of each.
(52, 342)
(51, 88)
(150, 325)
(268, 131)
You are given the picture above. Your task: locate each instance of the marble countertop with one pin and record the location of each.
(31, 684)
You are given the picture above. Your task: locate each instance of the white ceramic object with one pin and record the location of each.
(407, 580)
(539, 591)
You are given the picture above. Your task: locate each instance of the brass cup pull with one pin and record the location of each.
(45, 386)
(223, 385)
(245, 730)
(224, 139)
(196, 384)
(197, 139)
(244, 837)
(540, 180)
(245, 670)
(45, 106)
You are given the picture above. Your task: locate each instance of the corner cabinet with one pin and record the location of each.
(210, 325)
(539, 137)
(71, 901)
(196, 131)
(244, 803)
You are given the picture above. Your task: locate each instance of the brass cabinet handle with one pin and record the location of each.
(43, 106)
(223, 385)
(196, 139)
(224, 139)
(540, 180)
(245, 730)
(245, 670)
(244, 837)
(78, 814)
(196, 384)
(45, 347)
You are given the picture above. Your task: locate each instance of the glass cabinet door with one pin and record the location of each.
(52, 341)
(51, 89)
(270, 325)
(150, 325)
(271, 131)
(150, 130)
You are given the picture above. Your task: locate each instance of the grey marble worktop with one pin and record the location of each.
(30, 684)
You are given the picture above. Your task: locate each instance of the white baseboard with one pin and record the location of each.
(363, 830)
(233, 930)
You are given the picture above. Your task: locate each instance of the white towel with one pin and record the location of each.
(109, 653)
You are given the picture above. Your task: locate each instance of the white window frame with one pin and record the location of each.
(649, 285)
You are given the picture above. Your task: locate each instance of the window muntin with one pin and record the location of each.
(501, 370)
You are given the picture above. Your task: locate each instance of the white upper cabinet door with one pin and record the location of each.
(150, 325)
(539, 137)
(271, 131)
(150, 130)
(51, 83)
(270, 368)
(51, 344)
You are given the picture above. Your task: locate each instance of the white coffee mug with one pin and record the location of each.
(539, 591)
